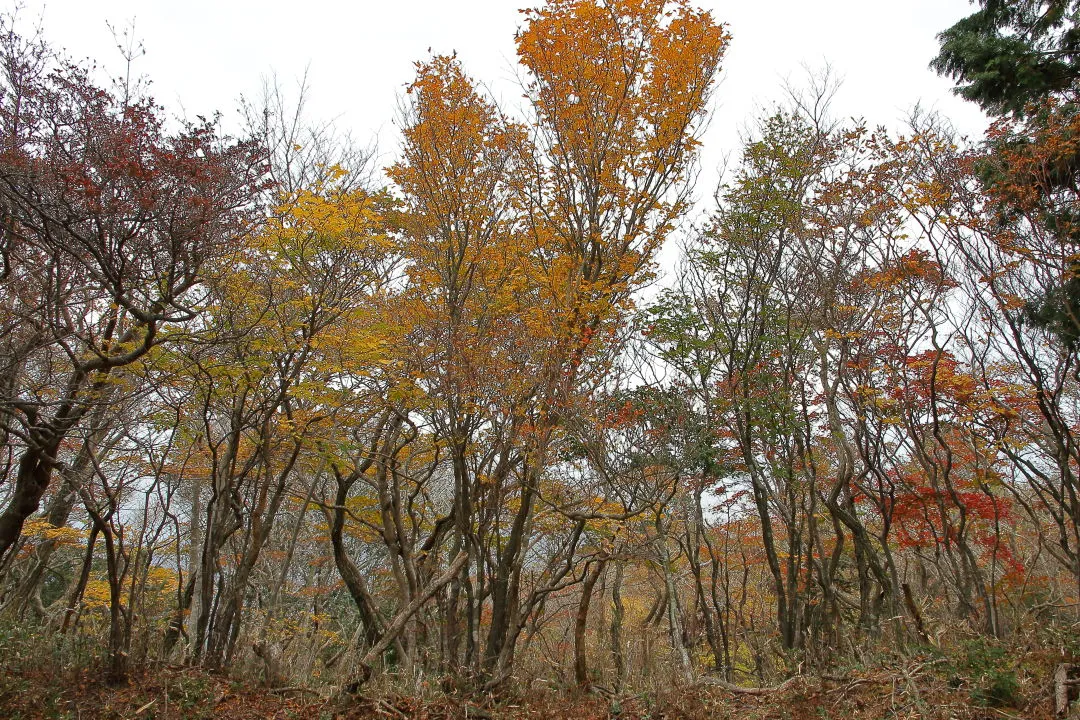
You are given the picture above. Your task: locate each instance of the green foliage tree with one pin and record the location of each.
(1020, 61)
(1011, 53)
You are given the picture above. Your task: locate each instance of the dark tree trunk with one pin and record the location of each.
(35, 472)
(581, 673)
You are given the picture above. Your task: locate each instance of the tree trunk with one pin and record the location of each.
(33, 477)
(581, 674)
(394, 628)
(674, 626)
(617, 613)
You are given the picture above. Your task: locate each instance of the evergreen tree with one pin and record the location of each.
(1012, 53)
(1020, 61)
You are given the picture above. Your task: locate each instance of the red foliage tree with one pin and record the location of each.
(108, 222)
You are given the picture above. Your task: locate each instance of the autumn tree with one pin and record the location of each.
(109, 221)
(1020, 61)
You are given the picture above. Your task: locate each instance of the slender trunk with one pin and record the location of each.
(118, 635)
(504, 597)
(674, 626)
(581, 674)
(694, 542)
(394, 628)
(183, 609)
(350, 574)
(80, 586)
(618, 612)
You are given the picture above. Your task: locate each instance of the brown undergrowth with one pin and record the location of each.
(962, 686)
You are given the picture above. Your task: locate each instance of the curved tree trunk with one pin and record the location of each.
(581, 673)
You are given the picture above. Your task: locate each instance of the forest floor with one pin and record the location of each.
(926, 688)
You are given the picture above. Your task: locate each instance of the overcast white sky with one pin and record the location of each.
(204, 54)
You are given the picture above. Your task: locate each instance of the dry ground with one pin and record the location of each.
(919, 689)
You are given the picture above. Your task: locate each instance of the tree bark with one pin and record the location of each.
(581, 674)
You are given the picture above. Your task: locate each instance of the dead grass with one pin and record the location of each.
(920, 688)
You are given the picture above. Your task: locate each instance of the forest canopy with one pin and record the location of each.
(271, 409)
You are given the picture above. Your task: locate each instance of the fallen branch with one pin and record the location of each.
(739, 690)
(292, 689)
(851, 685)
(382, 707)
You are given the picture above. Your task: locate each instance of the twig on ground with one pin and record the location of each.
(739, 690)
